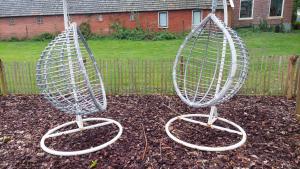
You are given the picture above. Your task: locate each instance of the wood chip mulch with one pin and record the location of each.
(272, 130)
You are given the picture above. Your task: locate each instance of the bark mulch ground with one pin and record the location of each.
(272, 130)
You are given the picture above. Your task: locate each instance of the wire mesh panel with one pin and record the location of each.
(211, 65)
(68, 76)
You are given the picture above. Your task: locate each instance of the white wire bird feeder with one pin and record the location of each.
(69, 78)
(210, 68)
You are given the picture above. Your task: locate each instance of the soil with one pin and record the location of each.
(273, 135)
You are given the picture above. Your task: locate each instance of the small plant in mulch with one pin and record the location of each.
(5, 139)
(93, 164)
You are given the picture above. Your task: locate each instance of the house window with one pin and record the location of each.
(133, 16)
(11, 21)
(70, 19)
(276, 8)
(39, 20)
(163, 19)
(100, 17)
(246, 9)
(196, 17)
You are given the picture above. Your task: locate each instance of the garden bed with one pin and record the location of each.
(272, 130)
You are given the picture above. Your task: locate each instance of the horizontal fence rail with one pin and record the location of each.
(267, 76)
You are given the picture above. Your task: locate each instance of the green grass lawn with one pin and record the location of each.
(259, 44)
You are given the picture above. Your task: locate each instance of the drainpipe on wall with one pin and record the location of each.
(26, 32)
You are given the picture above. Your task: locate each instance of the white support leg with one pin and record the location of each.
(213, 116)
(79, 121)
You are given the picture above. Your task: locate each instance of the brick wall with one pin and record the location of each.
(261, 11)
(179, 20)
(27, 27)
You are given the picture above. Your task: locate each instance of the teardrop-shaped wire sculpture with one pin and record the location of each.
(210, 67)
(68, 77)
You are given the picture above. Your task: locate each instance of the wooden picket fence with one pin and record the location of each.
(267, 76)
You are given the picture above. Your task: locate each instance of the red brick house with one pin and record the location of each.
(251, 12)
(28, 18)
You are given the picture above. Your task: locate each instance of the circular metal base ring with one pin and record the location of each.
(206, 148)
(53, 133)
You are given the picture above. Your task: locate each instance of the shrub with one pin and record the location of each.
(297, 25)
(280, 28)
(43, 37)
(97, 37)
(85, 29)
(13, 39)
(264, 26)
(165, 36)
(120, 32)
(296, 6)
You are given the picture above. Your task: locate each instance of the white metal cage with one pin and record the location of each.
(68, 76)
(210, 67)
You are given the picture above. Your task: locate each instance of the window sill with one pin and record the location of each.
(163, 27)
(275, 17)
(245, 19)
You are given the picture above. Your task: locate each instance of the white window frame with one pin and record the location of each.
(167, 15)
(249, 18)
(282, 10)
(201, 16)
(39, 20)
(100, 17)
(298, 15)
(133, 16)
(11, 21)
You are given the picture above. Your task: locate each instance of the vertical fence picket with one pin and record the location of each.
(136, 64)
(20, 68)
(30, 87)
(284, 76)
(105, 77)
(16, 78)
(119, 78)
(152, 70)
(26, 80)
(271, 86)
(9, 77)
(116, 76)
(161, 77)
(24, 74)
(166, 77)
(3, 79)
(278, 75)
(12, 76)
(130, 75)
(257, 77)
(262, 76)
(297, 75)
